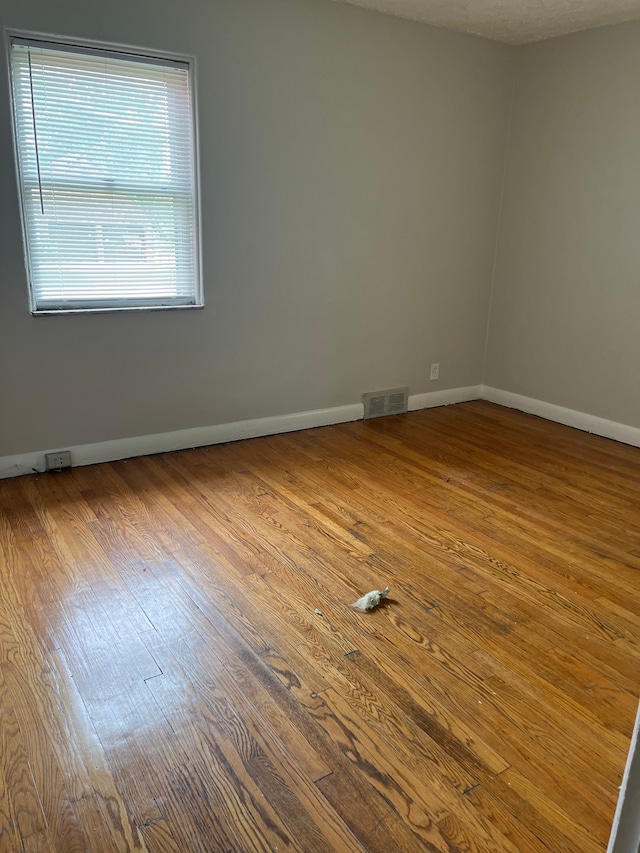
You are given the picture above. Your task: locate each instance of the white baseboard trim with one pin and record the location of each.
(144, 445)
(125, 448)
(570, 417)
(444, 398)
(625, 832)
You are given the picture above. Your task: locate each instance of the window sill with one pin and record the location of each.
(53, 312)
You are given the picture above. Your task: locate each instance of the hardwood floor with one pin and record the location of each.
(167, 684)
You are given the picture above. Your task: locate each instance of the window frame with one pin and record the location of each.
(137, 53)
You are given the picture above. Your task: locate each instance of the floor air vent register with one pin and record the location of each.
(377, 404)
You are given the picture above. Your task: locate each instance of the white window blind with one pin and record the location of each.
(107, 170)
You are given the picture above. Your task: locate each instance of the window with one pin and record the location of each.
(106, 159)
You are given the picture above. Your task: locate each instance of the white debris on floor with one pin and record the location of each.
(370, 599)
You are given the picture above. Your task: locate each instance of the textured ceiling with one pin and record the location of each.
(511, 21)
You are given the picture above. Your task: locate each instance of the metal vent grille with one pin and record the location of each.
(398, 402)
(377, 404)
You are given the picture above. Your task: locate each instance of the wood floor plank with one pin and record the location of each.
(159, 838)
(281, 742)
(23, 808)
(180, 669)
(96, 815)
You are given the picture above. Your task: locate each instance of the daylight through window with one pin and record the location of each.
(105, 148)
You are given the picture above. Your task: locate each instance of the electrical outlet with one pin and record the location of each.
(57, 461)
(435, 371)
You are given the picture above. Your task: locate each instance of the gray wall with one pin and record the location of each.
(351, 168)
(565, 318)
